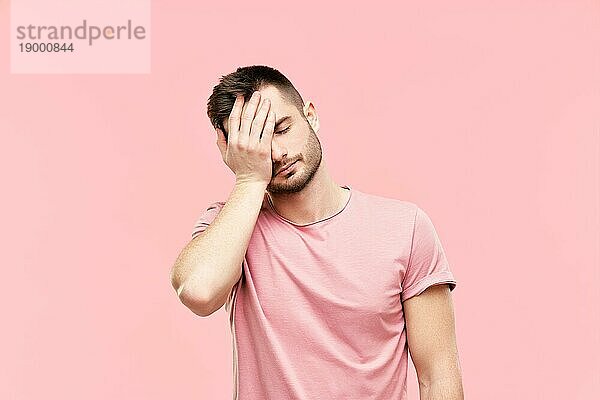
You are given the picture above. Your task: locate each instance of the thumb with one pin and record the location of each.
(221, 142)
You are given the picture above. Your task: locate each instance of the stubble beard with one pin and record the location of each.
(286, 183)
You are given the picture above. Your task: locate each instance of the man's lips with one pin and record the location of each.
(285, 168)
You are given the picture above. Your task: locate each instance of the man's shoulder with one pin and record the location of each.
(386, 202)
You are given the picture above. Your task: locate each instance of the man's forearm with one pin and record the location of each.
(442, 389)
(210, 264)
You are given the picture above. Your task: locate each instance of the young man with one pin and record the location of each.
(326, 287)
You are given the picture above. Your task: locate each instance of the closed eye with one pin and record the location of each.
(285, 130)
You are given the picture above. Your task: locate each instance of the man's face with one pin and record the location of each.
(294, 140)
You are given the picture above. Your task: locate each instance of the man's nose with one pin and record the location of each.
(278, 152)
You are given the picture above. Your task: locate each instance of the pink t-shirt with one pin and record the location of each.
(317, 313)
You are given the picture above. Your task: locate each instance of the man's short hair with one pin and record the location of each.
(245, 81)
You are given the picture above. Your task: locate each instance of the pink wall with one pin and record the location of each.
(486, 115)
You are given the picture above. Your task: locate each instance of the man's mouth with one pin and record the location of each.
(284, 169)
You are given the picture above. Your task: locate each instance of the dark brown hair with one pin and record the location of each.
(245, 81)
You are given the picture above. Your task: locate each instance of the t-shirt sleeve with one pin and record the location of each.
(427, 264)
(207, 216)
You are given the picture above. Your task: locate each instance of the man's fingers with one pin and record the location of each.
(248, 117)
(234, 119)
(267, 133)
(259, 122)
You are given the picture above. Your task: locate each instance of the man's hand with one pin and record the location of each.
(247, 149)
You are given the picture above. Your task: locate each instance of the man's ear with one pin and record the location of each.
(311, 115)
(306, 107)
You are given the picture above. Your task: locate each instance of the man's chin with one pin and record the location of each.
(281, 184)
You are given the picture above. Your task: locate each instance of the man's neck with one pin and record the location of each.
(321, 198)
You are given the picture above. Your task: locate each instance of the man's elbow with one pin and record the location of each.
(199, 305)
(448, 387)
(198, 302)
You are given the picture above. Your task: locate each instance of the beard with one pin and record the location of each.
(295, 181)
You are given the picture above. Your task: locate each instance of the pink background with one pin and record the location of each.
(486, 114)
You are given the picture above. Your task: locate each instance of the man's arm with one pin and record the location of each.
(209, 266)
(431, 338)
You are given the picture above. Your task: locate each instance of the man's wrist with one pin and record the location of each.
(251, 184)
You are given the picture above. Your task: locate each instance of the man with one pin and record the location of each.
(326, 287)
